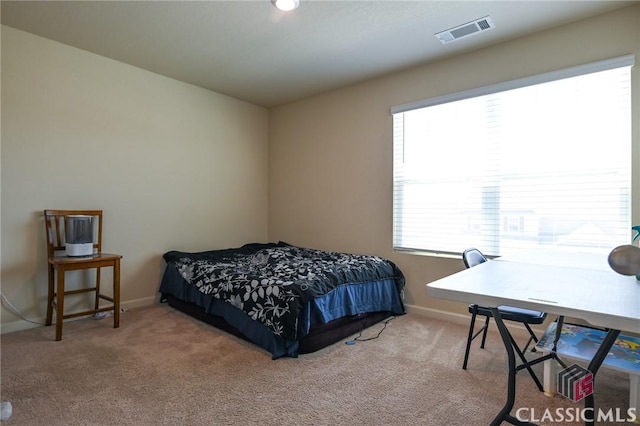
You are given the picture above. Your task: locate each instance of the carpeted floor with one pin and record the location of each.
(163, 368)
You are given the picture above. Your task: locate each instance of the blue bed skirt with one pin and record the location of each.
(343, 301)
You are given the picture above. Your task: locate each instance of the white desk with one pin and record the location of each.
(577, 285)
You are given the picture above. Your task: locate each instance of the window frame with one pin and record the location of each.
(576, 71)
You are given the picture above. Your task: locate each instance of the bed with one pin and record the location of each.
(286, 299)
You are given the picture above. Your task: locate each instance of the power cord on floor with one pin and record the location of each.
(16, 311)
(358, 339)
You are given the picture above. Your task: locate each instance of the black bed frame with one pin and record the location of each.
(319, 336)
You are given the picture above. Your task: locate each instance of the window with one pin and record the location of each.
(541, 161)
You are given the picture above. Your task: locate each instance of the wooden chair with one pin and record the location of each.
(60, 263)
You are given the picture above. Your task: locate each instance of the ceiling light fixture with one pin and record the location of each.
(286, 5)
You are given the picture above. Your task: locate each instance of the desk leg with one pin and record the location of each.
(594, 365)
(504, 414)
(525, 364)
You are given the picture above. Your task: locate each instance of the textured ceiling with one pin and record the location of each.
(251, 51)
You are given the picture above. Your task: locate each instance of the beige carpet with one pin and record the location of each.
(163, 368)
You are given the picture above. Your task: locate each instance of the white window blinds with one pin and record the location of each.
(541, 161)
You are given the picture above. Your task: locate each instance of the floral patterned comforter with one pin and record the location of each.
(272, 282)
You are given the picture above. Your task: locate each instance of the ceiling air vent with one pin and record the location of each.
(465, 30)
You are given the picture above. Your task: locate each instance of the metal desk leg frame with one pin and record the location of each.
(594, 366)
(505, 413)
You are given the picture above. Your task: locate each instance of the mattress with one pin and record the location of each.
(279, 296)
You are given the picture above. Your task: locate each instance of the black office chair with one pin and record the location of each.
(473, 257)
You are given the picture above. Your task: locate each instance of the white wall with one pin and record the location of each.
(178, 167)
(330, 175)
(172, 165)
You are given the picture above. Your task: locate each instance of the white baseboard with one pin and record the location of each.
(140, 303)
(460, 319)
(456, 318)
(18, 325)
(464, 319)
(21, 324)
